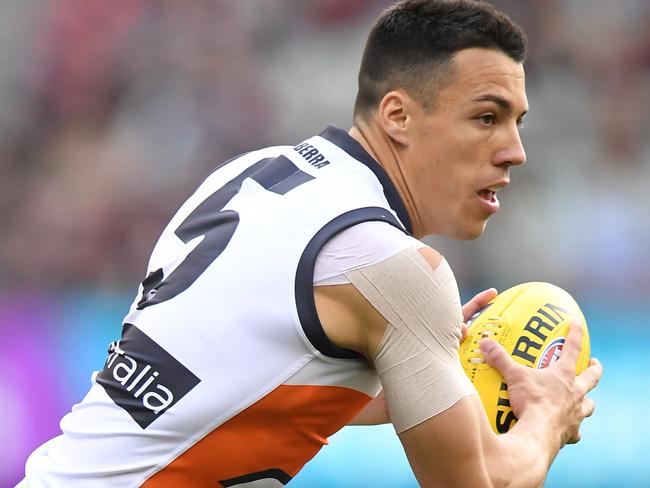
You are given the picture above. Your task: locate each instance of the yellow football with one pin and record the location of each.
(531, 321)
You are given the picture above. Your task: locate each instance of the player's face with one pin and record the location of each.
(460, 152)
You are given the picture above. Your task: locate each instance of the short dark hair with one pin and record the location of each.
(412, 45)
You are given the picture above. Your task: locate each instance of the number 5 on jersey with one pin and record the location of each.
(217, 226)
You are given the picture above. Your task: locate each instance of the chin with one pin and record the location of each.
(470, 232)
(461, 229)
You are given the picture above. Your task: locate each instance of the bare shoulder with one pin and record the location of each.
(432, 256)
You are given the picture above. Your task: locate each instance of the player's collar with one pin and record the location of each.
(343, 140)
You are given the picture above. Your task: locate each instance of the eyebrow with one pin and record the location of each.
(500, 101)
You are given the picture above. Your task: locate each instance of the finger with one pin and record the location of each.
(479, 300)
(590, 377)
(572, 344)
(496, 356)
(463, 333)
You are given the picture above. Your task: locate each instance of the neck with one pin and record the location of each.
(386, 152)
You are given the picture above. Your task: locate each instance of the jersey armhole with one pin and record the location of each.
(304, 293)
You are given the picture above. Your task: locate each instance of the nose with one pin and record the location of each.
(512, 152)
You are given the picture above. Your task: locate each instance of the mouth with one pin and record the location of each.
(488, 195)
(488, 198)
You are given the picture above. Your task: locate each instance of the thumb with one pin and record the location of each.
(497, 357)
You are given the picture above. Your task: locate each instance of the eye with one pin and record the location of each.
(488, 119)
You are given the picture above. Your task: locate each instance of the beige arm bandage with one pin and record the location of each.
(417, 359)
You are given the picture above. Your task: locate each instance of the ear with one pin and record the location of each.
(394, 116)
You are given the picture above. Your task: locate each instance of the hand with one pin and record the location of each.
(473, 306)
(554, 393)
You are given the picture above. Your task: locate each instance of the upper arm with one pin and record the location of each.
(449, 449)
(349, 320)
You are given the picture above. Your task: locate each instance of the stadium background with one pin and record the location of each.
(111, 112)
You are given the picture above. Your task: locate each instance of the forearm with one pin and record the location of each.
(523, 456)
(457, 448)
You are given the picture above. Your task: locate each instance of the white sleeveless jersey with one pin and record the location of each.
(223, 375)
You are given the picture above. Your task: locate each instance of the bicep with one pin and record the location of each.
(417, 358)
(347, 318)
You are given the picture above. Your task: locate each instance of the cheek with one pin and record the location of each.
(459, 178)
(447, 172)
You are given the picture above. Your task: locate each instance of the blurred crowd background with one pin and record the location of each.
(113, 111)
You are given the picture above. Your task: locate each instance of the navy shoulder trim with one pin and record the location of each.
(343, 140)
(304, 287)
